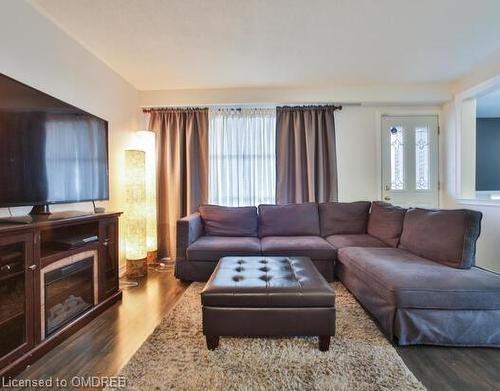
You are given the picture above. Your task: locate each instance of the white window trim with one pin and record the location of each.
(467, 196)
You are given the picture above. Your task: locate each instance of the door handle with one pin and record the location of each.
(32, 267)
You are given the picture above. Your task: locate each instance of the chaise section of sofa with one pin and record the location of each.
(427, 290)
(418, 301)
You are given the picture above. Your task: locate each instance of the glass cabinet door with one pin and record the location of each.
(16, 296)
(109, 258)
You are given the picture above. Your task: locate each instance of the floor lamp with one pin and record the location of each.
(135, 200)
(146, 141)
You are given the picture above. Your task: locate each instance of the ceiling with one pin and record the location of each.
(488, 105)
(174, 44)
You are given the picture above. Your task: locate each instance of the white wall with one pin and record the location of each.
(36, 52)
(372, 94)
(458, 158)
(467, 188)
(488, 246)
(358, 153)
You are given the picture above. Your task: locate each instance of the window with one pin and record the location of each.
(487, 156)
(397, 159)
(422, 156)
(242, 156)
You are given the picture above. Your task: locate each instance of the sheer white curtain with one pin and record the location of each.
(242, 156)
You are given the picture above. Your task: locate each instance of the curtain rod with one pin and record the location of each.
(150, 109)
(202, 107)
(305, 107)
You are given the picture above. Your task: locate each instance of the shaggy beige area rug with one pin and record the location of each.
(175, 356)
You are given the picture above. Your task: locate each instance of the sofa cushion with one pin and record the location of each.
(406, 280)
(289, 220)
(338, 218)
(386, 222)
(212, 248)
(229, 221)
(445, 236)
(341, 241)
(314, 247)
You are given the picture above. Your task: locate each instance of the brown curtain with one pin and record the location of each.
(306, 161)
(182, 146)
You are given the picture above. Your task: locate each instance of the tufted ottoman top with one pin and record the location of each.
(267, 282)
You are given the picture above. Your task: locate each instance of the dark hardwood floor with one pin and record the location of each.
(105, 345)
(442, 368)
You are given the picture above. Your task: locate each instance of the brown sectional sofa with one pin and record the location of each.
(413, 270)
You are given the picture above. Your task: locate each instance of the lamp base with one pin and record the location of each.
(137, 268)
(152, 257)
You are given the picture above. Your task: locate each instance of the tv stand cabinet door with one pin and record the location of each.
(17, 270)
(108, 258)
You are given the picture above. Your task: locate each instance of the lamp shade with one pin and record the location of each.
(135, 200)
(147, 142)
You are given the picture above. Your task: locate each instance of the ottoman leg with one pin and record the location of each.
(324, 343)
(212, 342)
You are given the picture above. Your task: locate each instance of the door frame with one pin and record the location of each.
(410, 112)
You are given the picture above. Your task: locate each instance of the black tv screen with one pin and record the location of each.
(50, 152)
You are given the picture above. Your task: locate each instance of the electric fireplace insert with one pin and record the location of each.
(68, 292)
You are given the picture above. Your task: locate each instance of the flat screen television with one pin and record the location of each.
(50, 152)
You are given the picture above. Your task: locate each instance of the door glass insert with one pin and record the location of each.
(422, 159)
(12, 297)
(397, 158)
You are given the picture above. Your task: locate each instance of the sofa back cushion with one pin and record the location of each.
(289, 220)
(229, 221)
(343, 218)
(386, 222)
(445, 236)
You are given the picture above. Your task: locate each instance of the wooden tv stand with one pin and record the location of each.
(28, 255)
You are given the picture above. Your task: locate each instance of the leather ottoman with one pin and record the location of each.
(267, 296)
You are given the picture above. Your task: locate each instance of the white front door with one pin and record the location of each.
(410, 160)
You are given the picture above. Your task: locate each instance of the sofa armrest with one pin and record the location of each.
(189, 229)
